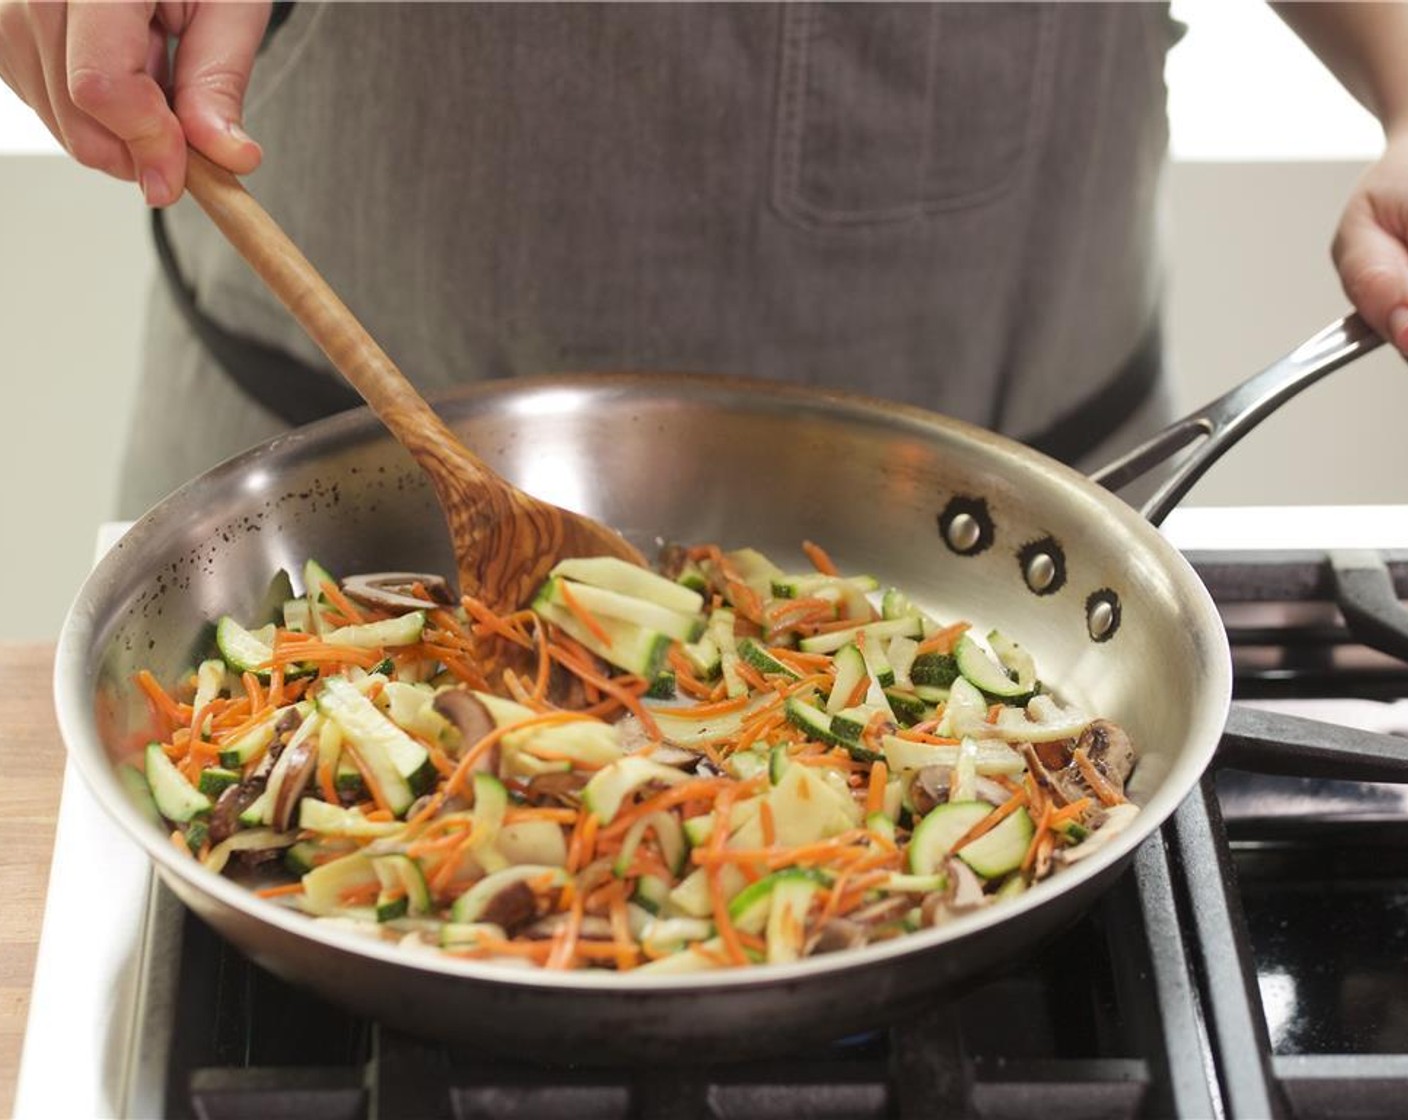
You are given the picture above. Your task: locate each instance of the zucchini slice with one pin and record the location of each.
(628, 646)
(985, 674)
(404, 891)
(400, 765)
(753, 652)
(612, 784)
(1001, 850)
(937, 833)
(404, 630)
(886, 629)
(176, 799)
(470, 905)
(850, 671)
(611, 574)
(245, 651)
(601, 603)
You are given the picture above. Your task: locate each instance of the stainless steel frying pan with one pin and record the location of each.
(972, 524)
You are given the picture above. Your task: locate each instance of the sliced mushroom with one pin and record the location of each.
(885, 912)
(835, 936)
(930, 788)
(994, 793)
(563, 786)
(965, 889)
(594, 928)
(964, 893)
(225, 817)
(1055, 755)
(1117, 819)
(1110, 750)
(514, 906)
(1053, 785)
(633, 733)
(452, 804)
(283, 731)
(671, 561)
(298, 770)
(473, 721)
(670, 755)
(565, 688)
(392, 590)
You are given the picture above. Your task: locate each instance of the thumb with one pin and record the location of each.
(213, 60)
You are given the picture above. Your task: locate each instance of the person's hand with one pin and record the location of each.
(96, 73)
(1371, 244)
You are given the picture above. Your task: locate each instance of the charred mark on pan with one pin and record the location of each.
(966, 526)
(1102, 614)
(1043, 565)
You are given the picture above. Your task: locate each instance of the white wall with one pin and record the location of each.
(73, 269)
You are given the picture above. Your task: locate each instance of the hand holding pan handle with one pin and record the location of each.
(1226, 420)
(1363, 587)
(1275, 743)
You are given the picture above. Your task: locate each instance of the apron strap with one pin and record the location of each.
(285, 387)
(1109, 408)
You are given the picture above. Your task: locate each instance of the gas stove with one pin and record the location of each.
(1253, 961)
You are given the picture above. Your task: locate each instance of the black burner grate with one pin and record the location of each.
(1068, 1034)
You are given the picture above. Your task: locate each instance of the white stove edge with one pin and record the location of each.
(85, 997)
(83, 1000)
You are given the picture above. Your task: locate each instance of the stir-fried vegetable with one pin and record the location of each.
(724, 765)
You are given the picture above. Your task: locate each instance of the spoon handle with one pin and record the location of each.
(348, 345)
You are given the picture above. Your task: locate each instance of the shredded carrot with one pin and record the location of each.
(858, 693)
(564, 948)
(322, 653)
(327, 785)
(719, 903)
(369, 779)
(1073, 811)
(478, 750)
(582, 615)
(559, 816)
(494, 624)
(344, 605)
(168, 707)
(627, 699)
(875, 791)
(751, 677)
(942, 641)
(699, 789)
(820, 560)
(718, 708)
(253, 691)
(1096, 780)
(1043, 826)
(281, 890)
(769, 825)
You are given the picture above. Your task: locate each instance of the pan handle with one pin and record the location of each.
(1224, 421)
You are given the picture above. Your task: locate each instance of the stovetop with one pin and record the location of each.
(1253, 960)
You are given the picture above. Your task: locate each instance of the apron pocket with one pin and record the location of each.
(888, 111)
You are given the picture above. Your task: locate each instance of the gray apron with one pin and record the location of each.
(948, 205)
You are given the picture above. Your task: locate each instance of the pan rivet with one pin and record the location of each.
(962, 532)
(1102, 615)
(1040, 571)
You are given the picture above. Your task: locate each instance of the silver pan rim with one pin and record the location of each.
(73, 675)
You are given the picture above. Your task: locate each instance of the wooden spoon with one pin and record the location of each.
(505, 540)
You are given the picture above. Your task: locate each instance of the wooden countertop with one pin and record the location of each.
(31, 773)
